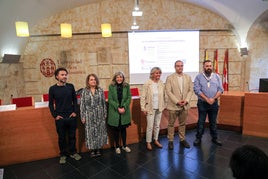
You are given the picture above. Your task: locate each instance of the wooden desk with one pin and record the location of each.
(231, 109)
(29, 134)
(256, 114)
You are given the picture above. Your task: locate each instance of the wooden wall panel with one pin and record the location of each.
(29, 134)
(231, 109)
(256, 114)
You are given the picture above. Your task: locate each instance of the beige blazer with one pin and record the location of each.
(146, 99)
(176, 94)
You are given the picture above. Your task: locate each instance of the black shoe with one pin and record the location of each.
(185, 144)
(215, 141)
(98, 153)
(197, 142)
(170, 145)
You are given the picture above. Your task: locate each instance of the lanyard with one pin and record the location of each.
(208, 79)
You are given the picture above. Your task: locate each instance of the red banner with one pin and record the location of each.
(225, 71)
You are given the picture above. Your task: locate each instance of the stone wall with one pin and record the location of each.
(256, 64)
(90, 53)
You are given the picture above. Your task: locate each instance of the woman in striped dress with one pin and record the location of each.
(93, 115)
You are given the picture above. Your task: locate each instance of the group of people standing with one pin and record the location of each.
(93, 113)
(174, 95)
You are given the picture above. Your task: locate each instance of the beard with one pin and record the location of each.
(63, 80)
(208, 72)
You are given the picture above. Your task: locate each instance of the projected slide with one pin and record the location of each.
(162, 49)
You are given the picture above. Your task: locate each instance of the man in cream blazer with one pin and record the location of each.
(179, 89)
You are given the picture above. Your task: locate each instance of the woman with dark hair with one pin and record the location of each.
(93, 115)
(119, 98)
(249, 162)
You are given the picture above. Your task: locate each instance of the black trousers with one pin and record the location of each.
(116, 134)
(66, 127)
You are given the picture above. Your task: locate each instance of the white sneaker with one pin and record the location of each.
(62, 160)
(76, 156)
(118, 151)
(126, 149)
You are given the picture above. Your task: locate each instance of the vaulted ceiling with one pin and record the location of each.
(240, 13)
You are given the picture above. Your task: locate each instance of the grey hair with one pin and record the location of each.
(119, 73)
(153, 70)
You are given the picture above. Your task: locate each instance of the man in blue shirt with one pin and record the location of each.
(208, 88)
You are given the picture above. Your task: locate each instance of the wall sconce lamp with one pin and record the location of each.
(66, 30)
(106, 30)
(22, 29)
(11, 58)
(244, 51)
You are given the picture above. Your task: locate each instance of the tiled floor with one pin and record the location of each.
(206, 161)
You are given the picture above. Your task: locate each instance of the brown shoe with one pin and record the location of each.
(157, 144)
(197, 142)
(217, 142)
(149, 146)
(185, 144)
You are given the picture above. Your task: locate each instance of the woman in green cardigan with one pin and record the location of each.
(119, 98)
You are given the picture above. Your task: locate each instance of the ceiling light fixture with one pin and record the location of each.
(106, 30)
(66, 28)
(136, 11)
(22, 29)
(134, 26)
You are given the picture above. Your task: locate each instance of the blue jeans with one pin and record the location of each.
(205, 109)
(66, 126)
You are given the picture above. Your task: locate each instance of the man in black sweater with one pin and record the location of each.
(63, 107)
